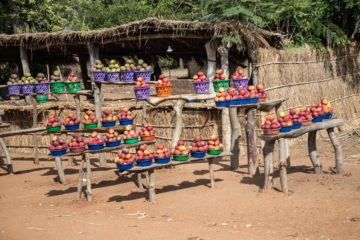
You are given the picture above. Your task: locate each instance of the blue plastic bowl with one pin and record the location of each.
(222, 104)
(58, 152)
(113, 144)
(123, 167)
(252, 100)
(197, 154)
(162, 160)
(242, 101)
(235, 102)
(144, 163)
(95, 146)
(286, 129)
(72, 127)
(108, 124)
(317, 119)
(126, 122)
(296, 125)
(328, 116)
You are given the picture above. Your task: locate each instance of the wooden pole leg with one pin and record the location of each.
(139, 181)
(235, 138)
(88, 178)
(251, 143)
(282, 166)
(151, 187)
(287, 153)
(81, 179)
(60, 169)
(337, 149)
(8, 160)
(211, 172)
(268, 152)
(314, 156)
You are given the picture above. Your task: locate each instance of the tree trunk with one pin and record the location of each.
(211, 62)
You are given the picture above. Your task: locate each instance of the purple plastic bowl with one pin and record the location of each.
(145, 74)
(14, 89)
(127, 76)
(142, 93)
(27, 89)
(113, 76)
(99, 76)
(201, 87)
(241, 82)
(42, 88)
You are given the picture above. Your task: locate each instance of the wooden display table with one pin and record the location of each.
(268, 150)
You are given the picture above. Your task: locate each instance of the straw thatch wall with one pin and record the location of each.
(305, 75)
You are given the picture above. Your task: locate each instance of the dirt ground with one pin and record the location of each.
(327, 206)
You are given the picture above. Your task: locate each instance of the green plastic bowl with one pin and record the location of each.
(41, 98)
(72, 86)
(90, 125)
(222, 83)
(215, 152)
(131, 140)
(181, 157)
(57, 87)
(54, 129)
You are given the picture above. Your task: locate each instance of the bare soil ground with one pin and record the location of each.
(327, 206)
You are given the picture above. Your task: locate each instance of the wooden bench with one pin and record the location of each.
(268, 150)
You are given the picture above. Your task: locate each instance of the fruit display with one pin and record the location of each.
(271, 125)
(124, 159)
(40, 78)
(95, 142)
(222, 98)
(327, 108)
(180, 152)
(141, 89)
(129, 65)
(90, 120)
(141, 83)
(125, 117)
(72, 77)
(142, 66)
(76, 144)
(108, 119)
(13, 79)
(261, 94)
(317, 112)
(147, 132)
(57, 146)
(220, 75)
(162, 154)
(98, 66)
(27, 79)
(130, 136)
(286, 122)
(112, 138)
(144, 156)
(55, 77)
(163, 86)
(238, 74)
(200, 77)
(71, 122)
(295, 117)
(113, 66)
(198, 147)
(305, 116)
(163, 81)
(53, 123)
(215, 147)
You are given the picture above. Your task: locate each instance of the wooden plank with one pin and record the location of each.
(314, 156)
(83, 130)
(22, 131)
(187, 97)
(81, 92)
(265, 107)
(337, 149)
(4, 125)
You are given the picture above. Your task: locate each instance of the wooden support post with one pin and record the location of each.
(268, 152)
(36, 149)
(211, 62)
(235, 138)
(77, 105)
(8, 160)
(178, 107)
(81, 177)
(144, 113)
(139, 181)
(211, 172)
(314, 156)
(151, 186)
(25, 68)
(337, 149)
(60, 169)
(287, 153)
(252, 153)
(282, 165)
(88, 178)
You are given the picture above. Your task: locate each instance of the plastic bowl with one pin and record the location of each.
(113, 143)
(72, 127)
(328, 116)
(197, 154)
(271, 131)
(131, 140)
(53, 129)
(296, 125)
(108, 124)
(126, 122)
(123, 167)
(162, 160)
(286, 129)
(181, 157)
(317, 119)
(90, 125)
(214, 152)
(95, 146)
(144, 163)
(222, 104)
(252, 100)
(148, 138)
(58, 152)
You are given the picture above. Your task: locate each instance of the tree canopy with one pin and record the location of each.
(318, 23)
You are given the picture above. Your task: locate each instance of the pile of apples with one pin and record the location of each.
(13, 79)
(222, 95)
(260, 91)
(234, 94)
(142, 66)
(113, 66)
(129, 65)
(317, 110)
(125, 114)
(143, 153)
(71, 119)
(214, 143)
(98, 66)
(141, 83)
(57, 143)
(124, 157)
(107, 116)
(76, 141)
(163, 81)
(238, 74)
(220, 75)
(53, 121)
(130, 133)
(180, 149)
(326, 106)
(198, 145)
(40, 78)
(270, 123)
(90, 117)
(162, 152)
(200, 77)
(305, 116)
(72, 77)
(112, 136)
(285, 120)
(147, 130)
(95, 139)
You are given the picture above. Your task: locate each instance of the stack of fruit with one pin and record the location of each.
(72, 83)
(76, 144)
(295, 117)
(112, 138)
(124, 160)
(98, 67)
(261, 94)
(317, 112)
(95, 142)
(141, 83)
(126, 117)
(90, 121)
(163, 86)
(13, 79)
(222, 98)
(113, 72)
(220, 80)
(53, 123)
(180, 152)
(147, 132)
(239, 79)
(271, 126)
(113, 66)
(141, 89)
(305, 116)
(214, 146)
(55, 77)
(162, 154)
(71, 122)
(40, 78)
(253, 94)
(72, 77)
(57, 146)
(198, 147)
(144, 156)
(201, 83)
(238, 74)
(285, 122)
(27, 79)
(107, 118)
(129, 66)
(235, 96)
(130, 136)
(142, 66)
(327, 108)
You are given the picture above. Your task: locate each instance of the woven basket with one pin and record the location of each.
(73, 86)
(145, 74)
(113, 76)
(201, 87)
(127, 76)
(42, 88)
(163, 91)
(99, 76)
(142, 93)
(241, 82)
(27, 89)
(222, 83)
(14, 89)
(57, 87)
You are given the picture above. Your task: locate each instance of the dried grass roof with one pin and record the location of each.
(150, 28)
